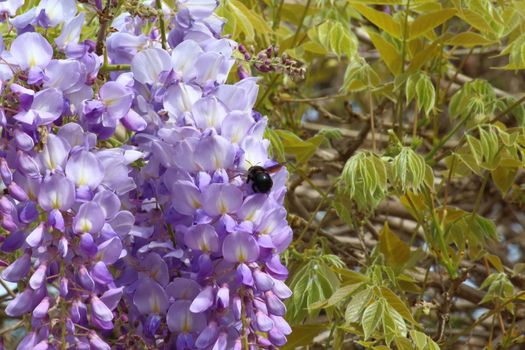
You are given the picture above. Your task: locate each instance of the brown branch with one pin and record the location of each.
(354, 146)
(103, 19)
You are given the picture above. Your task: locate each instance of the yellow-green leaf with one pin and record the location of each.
(469, 39)
(303, 335)
(237, 20)
(301, 149)
(396, 251)
(388, 2)
(314, 47)
(380, 19)
(349, 276)
(357, 305)
(387, 52)
(397, 304)
(496, 262)
(424, 56)
(371, 318)
(403, 343)
(276, 145)
(419, 339)
(475, 20)
(429, 21)
(335, 298)
(504, 177)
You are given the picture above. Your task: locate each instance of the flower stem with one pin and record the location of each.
(161, 24)
(444, 140)
(244, 320)
(399, 105)
(301, 22)
(114, 67)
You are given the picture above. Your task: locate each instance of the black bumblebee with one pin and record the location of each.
(260, 177)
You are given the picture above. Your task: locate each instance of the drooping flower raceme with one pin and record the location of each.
(64, 216)
(162, 235)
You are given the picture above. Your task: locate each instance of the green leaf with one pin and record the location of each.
(410, 87)
(476, 99)
(359, 76)
(426, 55)
(518, 111)
(424, 23)
(341, 41)
(343, 206)
(388, 52)
(496, 262)
(484, 228)
(426, 94)
(409, 170)
(277, 147)
(364, 180)
(395, 302)
(315, 48)
(516, 52)
(423, 341)
(475, 148)
(258, 23)
(388, 2)
(469, 39)
(238, 20)
(504, 177)
(396, 252)
(294, 145)
(335, 37)
(380, 19)
(340, 294)
(356, 306)
(419, 339)
(303, 335)
(432, 345)
(475, 20)
(403, 343)
(393, 324)
(350, 277)
(371, 317)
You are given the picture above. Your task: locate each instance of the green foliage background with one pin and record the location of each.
(405, 144)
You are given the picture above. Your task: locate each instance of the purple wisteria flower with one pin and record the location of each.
(67, 222)
(125, 197)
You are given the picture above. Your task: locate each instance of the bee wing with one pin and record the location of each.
(234, 173)
(274, 168)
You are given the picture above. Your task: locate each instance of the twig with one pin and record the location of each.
(490, 313)
(508, 109)
(103, 19)
(399, 105)
(325, 112)
(11, 328)
(301, 23)
(447, 137)
(313, 99)
(372, 122)
(360, 139)
(6, 287)
(444, 309)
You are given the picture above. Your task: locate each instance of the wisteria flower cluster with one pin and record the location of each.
(125, 201)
